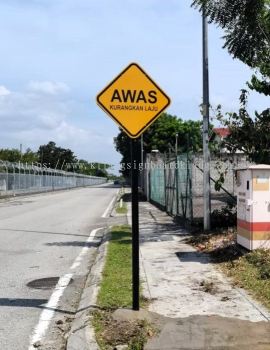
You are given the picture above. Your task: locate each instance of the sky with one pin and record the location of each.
(57, 55)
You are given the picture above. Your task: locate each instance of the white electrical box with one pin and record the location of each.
(253, 206)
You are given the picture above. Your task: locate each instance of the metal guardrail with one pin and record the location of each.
(20, 178)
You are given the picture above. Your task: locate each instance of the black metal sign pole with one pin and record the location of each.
(135, 224)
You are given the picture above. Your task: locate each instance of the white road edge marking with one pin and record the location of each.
(79, 258)
(48, 313)
(105, 214)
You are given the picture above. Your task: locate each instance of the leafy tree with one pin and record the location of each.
(161, 135)
(52, 156)
(29, 156)
(247, 34)
(14, 155)
(94, 169)
(122, 145)
(248, 134)
(10, 155)
(55, 157)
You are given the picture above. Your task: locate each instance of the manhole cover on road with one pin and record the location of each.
(44, 283)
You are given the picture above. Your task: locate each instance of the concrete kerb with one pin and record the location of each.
(117, 199)
(82, 335)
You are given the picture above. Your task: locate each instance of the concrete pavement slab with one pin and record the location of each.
(200, 332)
(176, 274)
(198, 306)
(211, 333)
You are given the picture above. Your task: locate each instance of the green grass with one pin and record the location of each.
(122, 210)
(116, 292)
(116, 288)
(252, 272)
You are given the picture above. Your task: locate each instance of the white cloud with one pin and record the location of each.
(48, 87)
(25, 112)
(35, 118)
(50, 121)
(4, 91)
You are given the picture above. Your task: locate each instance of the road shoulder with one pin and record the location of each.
(82, 334)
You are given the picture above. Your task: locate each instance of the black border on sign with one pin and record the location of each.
(111, 115)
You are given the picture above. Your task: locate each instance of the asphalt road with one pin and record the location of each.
(40, 237)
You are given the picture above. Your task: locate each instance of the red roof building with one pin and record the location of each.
(218, 136)
(222, 132)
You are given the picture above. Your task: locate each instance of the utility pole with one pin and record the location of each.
(176, 174)
(206, 152)
(176, 144)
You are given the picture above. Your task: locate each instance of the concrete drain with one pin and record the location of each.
(44, 283)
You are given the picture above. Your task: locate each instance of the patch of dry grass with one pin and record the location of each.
(111, 333)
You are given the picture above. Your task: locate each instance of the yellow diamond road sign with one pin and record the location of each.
(133, 100)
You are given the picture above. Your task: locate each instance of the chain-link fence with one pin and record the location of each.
(176, 184)
(16, 178)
